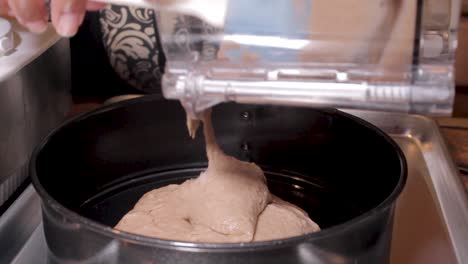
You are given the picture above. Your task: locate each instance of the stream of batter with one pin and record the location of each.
(229, 202)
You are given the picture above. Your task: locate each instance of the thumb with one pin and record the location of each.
(67, 15)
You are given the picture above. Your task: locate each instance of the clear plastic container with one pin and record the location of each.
(380, 55)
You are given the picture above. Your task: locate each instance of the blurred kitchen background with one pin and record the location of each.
(461, 104)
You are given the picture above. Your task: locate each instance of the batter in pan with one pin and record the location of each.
(227, 203)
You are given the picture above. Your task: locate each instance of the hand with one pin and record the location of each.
(67, 15)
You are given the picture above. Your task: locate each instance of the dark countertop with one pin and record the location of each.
(455, 132)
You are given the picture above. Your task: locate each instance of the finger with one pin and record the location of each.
(67, 15)
(30, 13)
(94, 6)
(4, 7)
(7, 14)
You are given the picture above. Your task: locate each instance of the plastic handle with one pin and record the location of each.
(197, 93)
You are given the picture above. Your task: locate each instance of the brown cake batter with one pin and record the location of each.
(229, 202)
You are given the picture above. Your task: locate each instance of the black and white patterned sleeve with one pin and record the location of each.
(130, 37)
